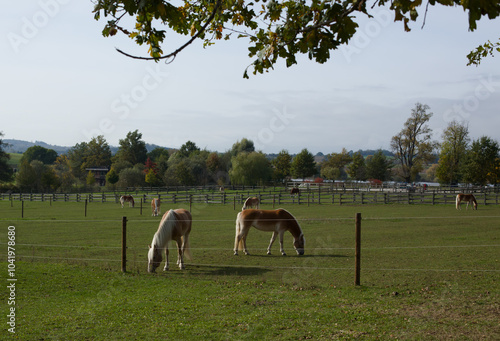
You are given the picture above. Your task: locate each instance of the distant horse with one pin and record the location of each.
(295, 191)
(466, 197)
(127, 198)
(277, 221)
(175, 225)
(155, 207)
(251, 202)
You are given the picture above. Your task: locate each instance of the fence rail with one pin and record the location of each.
(266, 198)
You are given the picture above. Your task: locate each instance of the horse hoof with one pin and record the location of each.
(284, 254)
(269, 253)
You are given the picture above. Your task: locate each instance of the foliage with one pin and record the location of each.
(98, 153)
(482, 51)
(303, 165)
(276, 30)
(245, 145)
(250, 169)
(378, 166)
(112, 177)
(413, 146)
(37, 177)
(90, 180)
(482, 164)
(187, 149)
(131, 177)
(453, 151)
(357, 168)
(6, 171)
(334, 166)
(47, 156)
(282, 166)
(62, 169)
(132, 149)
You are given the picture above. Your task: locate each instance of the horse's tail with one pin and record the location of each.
(187, 249)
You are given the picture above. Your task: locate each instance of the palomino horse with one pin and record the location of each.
(251, 202)
(277, 221)
(127, 198)
(155, 207)
(175, 225)
(466, 197)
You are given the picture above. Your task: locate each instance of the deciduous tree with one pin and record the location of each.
(413, 145)
(303, 165)
(453, 152)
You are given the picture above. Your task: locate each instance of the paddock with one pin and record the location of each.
(410, 253)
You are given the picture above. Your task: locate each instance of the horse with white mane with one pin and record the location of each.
(155, 207)
(277, 221)
(251, 202)
(174, 225)
(470, 198)
(127, 198)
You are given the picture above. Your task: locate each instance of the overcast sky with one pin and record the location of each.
(63, 83)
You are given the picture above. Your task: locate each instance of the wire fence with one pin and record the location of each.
(114, 250)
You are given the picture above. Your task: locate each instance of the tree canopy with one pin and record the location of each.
(275, 29)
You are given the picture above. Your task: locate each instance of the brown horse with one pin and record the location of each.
(174, 225)
(277, 221)
(251, 202)
(295, 191)
(127, 198)
(466, 197)
(155, 207)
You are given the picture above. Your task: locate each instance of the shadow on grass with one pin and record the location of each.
(209, 270)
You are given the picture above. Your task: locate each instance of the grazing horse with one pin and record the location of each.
(466, 197)
(295, 191)
(277, 221)
(127, 198)
(155, 207)
(251, 202)
(175, 225)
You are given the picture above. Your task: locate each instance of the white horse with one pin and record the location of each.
(155, 207)
(174, 225)
(277, 221)
(251, 202)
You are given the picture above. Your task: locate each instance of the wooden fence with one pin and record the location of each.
(267, 199)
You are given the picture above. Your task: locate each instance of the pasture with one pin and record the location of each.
(426, 272)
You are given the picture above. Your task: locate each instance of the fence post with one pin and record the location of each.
(124, 244)
(141, 206)
(85, 207)
(22, 209)
(357, 255)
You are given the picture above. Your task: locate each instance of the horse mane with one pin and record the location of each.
(294, 222)
(164, 233)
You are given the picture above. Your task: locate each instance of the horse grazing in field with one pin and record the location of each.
(174, 225)
(277, 221)
(127, 198)
(295, 191)
(155, 207)
(251, 202)
(466, 197)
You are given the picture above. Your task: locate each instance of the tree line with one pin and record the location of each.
(416, 156)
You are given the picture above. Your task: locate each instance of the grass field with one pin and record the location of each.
(427, 272)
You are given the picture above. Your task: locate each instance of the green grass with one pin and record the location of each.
(427, 272)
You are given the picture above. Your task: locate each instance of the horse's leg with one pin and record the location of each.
(180, 260)
(273, 238)
(281, 243)
(166, 258)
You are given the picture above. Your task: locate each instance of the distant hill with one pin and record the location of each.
(20, 146)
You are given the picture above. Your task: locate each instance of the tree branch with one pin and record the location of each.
(189, 42)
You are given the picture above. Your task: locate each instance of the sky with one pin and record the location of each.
(63, 83)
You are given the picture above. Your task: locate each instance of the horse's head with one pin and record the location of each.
(299, 244)
(474, 204)
(154, 258)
